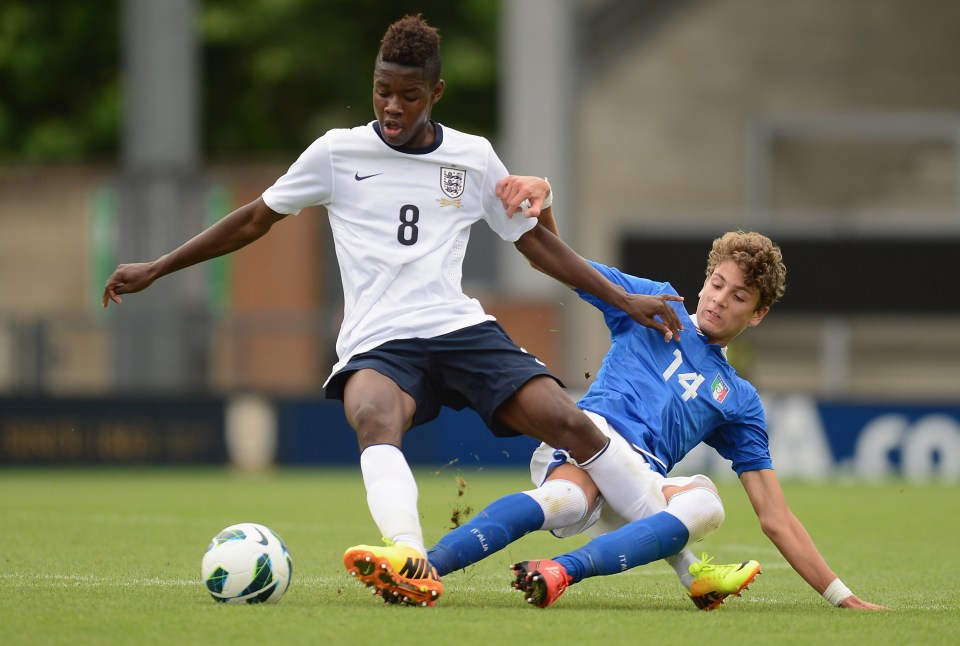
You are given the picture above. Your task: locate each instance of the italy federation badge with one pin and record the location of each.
(719, 389)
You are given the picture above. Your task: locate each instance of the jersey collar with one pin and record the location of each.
(723, 349)
(437, 140)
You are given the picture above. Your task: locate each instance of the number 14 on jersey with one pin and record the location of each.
(690, 381)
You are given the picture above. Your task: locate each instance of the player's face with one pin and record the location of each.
(727, 306)
(402, 101)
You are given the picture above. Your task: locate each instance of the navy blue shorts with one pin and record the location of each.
(478, 367)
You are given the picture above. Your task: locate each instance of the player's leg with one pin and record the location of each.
(637, 543)
(694, 511)
(697, 504)
(608, 521)
(659, 535)
(541, 409)
(514, 392)
(380, 412)
(562, 500)
(687, 508)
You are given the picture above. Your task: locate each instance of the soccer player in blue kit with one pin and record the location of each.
(658, 401)
(401, 194)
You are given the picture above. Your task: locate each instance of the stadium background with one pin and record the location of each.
(832, 126)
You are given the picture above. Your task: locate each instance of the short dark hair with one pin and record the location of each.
(411, 42)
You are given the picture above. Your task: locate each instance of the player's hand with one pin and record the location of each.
(645, 310)
(855, 603)
(127, 279)
(522, 193)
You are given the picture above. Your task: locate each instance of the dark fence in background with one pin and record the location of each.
(907, 275)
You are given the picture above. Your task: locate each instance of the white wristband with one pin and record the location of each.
(548, 200)
(836, 592)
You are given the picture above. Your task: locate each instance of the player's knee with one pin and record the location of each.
(699, 508)
(692, 482)
(701, 480)
(374, 425)
(563, 503)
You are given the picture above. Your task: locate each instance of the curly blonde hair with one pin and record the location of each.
(758, 257)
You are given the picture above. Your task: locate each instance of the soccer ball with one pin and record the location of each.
(247, 563)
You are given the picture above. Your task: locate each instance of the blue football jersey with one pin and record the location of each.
(665, 398)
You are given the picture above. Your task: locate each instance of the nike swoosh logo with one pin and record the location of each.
(263, 539)
(360, 177)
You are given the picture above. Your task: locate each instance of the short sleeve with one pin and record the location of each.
(616, 318)
(744, 442)
(308, 181)
(508, 228)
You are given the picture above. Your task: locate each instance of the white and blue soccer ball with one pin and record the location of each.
(247, 563)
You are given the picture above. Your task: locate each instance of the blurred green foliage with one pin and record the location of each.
(59, 80)
(276, 74)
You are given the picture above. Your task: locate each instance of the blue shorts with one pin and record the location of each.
(478, 367)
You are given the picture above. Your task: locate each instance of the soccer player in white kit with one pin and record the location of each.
(401, 194)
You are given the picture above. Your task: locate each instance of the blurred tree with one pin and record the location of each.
(59, 80)
(277, 73)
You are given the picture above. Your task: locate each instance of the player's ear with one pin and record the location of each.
(437, 92)
(758, 316)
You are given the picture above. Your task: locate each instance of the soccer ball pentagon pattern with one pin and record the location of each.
(247, 563)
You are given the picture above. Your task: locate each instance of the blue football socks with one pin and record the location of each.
(642, 541)
(498, 525)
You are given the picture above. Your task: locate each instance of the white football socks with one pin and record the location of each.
(563, 503)
(681, 565)
(701, 511)
(392, 495)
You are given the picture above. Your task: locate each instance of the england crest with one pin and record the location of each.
(452, 181)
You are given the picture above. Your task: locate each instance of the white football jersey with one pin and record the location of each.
(401, 220)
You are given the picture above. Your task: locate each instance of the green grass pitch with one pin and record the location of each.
(106, 555)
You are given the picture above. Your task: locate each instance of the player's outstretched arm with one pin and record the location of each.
(792, 539)
(554, 258)
(547, 253)
(236, 230)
